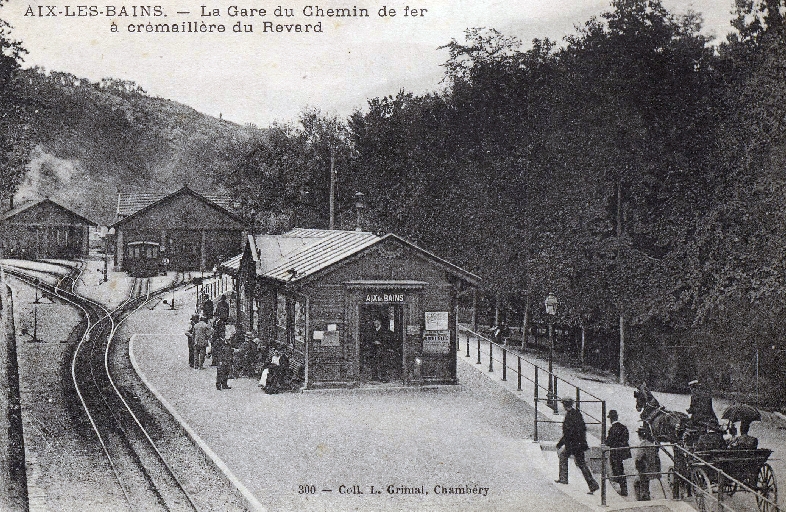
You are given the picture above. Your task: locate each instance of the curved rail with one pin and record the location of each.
(131, 451)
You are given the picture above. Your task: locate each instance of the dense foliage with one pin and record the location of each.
(14, 113)
(636, 171)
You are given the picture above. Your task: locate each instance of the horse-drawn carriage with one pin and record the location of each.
(704, 464)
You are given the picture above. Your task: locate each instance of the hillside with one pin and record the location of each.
(95, 139)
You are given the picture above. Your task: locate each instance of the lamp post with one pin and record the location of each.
(551, 311)
(360, 204)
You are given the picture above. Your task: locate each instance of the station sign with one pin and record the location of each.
(436, 342)
(385, 297)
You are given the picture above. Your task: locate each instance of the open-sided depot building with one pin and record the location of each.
(43, 229)
(318, 292)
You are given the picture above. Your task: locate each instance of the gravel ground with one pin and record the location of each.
(474, 436)
(66, 467)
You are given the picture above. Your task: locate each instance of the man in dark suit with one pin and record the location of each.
(574, 442)
(380, 342)
(700, 409)
(618, 437)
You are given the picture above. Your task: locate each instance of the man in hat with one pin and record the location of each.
(700, 409)
(203, 332)
(647, 464)
(222, 308)
(190, 338)
(618, 438)
(379, 342)
(207, 306)
(574, 442)
(222, 355)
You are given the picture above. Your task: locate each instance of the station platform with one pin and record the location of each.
(463, 448)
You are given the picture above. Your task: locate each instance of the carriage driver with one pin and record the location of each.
(700, 409)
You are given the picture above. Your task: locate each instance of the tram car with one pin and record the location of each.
(143, 259)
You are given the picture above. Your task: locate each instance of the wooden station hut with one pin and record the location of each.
(43, 229)
(318, 291)
(185, 230)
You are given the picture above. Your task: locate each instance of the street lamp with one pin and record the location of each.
(551, 311)
(360, 204)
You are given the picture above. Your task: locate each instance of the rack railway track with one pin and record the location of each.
(147, 480)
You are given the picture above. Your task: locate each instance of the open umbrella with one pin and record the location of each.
(741, 412)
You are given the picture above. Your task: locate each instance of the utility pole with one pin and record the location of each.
(619, 267)
(332, 189)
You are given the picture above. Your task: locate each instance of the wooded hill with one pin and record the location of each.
(90, 140)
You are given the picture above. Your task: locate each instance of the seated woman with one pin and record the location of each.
(276, 374)
(744, 441)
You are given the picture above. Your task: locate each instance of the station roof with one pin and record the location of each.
(301, 253)
(40, 203)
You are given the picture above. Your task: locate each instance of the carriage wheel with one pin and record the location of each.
(767, 487)
(703, 490)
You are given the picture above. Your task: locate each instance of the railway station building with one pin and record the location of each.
(181, 231)
(43, 229)
(319, 292)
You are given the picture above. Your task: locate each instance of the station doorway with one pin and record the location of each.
(383, 361)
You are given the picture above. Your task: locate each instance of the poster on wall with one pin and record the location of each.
(436, 342)
(437, 321)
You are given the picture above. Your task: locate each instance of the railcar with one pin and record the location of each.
(143, 259)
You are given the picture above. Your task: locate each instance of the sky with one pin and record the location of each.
(265, 76)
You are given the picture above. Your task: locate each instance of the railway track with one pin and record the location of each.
(146, 478)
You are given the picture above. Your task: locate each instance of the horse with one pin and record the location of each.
(664, 425)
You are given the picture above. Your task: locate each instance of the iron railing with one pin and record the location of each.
(529, 371)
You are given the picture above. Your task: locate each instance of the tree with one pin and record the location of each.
(15, 141)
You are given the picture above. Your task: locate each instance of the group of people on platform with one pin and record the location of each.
(647, 454)
(213, 334)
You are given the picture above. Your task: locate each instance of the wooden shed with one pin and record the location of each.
(43, 229)
(319, 291)
(184, 230)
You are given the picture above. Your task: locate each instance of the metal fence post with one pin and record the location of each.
(721, 479)
(478, 350)
(603, 455)
(491, 356)
(504, 364)
(578, 399)
(536, 405)
(519, 373)
(603, 422)
(467, 344)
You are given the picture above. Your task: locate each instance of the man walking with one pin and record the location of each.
(574, 442)
(618, 438)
